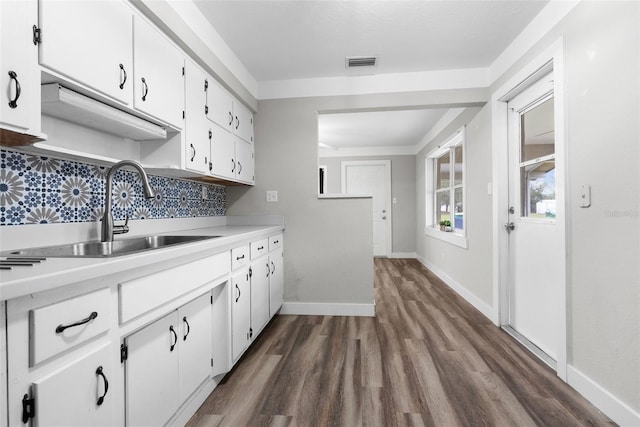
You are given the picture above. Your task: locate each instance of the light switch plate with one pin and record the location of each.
(585, 196)
(272, 196)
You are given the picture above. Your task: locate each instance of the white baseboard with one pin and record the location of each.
(482, 306)
(328, 309)
(618, 411)
(411, 255)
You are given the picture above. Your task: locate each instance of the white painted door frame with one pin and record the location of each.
(387, 166)
(551, 59)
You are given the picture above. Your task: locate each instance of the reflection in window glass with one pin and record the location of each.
(458, 166)
(443, 169)
(443, 206)
(458, 210)
(537, 132)
(539, 190)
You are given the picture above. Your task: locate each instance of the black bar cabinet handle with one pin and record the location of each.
(184, 319)
(100, 373)
(146, 90)
(175, 336)
(14, 102)
(61, 328)
(124, 79)
(238, 297)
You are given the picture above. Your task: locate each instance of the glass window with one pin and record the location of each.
(445, 186)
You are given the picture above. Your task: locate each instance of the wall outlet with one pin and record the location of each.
(204, 193)
(272, 196)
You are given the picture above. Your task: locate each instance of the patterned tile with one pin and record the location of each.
(43, 190)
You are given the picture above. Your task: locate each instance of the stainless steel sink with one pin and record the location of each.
(108, 249)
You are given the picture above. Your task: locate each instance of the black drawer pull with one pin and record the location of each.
(260, 248)
(238, 258)
(100, 373)
(61, 328)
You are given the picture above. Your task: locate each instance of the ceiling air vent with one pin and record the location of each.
(360, 61)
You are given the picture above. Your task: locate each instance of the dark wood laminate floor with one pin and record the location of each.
(428, 358)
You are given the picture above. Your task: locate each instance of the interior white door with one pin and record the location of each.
(374, 178)
(535, 227)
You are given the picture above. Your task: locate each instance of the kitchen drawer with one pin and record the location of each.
(275, 242)
(259, 248)
(239, 257)
(141, 295)
(66, 324)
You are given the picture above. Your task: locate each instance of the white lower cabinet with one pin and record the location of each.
(240, 313)
(276, 281)
(260, 271)
(77, 394)
(68, 359)
(166, 362)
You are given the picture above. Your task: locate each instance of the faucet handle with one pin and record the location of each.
(122, 229)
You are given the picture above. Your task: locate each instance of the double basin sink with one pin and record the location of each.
(108, 249)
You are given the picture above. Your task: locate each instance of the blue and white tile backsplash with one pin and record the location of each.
(44, 190)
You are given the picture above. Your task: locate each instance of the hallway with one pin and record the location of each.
(427, 358)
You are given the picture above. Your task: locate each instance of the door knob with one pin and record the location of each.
(510, 227)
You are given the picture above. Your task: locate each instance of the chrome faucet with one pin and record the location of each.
(108, 229)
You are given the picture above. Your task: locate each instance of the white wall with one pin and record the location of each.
(469, 268)
(328, 243)
(602, 69)
(403, 189)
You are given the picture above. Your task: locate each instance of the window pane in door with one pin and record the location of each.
(442, 171)
(458, 166)
(539, 190)
(443, 208)
(537, 132)
(458, 212)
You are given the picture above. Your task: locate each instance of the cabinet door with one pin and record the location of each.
(71, 396)
(194, 345)
(221, 328)
(151, 373)
(19, 69)
(223, 156)
(261, 270)
(276, 282)
(240, 313)
(89, 42)
(243, 121)
(220, 106)
(196, 124)
(158, 84)
(244, 162)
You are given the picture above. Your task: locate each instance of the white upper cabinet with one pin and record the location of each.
(158, 81)
(228, 113)
(91, 43)
(244, 162)
(19, 71)
(219, 105)
(223, 153)
(197, 127)
(243, 121)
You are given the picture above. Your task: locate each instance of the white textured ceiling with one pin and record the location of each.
(280, 40)
(376, 129)
(295, 39)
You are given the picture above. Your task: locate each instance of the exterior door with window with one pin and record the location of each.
(536, 218)
(372, 177)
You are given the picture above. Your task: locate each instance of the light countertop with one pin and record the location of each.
(56, 272)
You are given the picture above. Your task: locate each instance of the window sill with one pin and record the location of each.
(448, 236)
